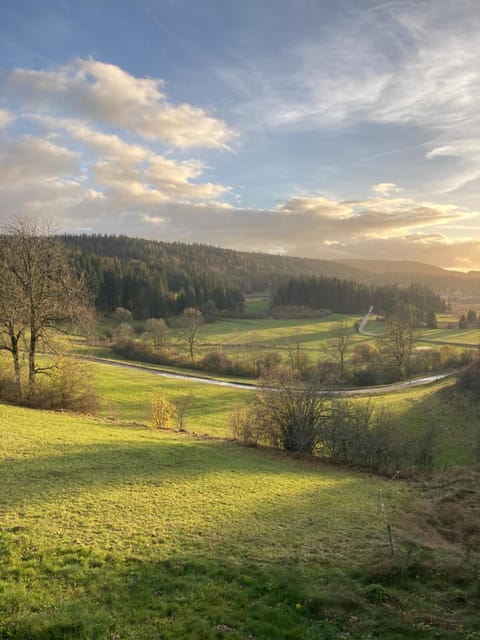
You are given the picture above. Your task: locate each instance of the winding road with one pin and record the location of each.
(397, 386)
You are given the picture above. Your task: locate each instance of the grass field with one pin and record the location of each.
(112, 531)
(241, 337)
(125, 395)
(455, 336)
(272, 332)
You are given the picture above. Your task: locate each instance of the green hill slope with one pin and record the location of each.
(113, 531)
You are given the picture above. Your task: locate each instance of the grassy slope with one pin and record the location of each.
(274, 333)
(460, 336)
(111, 530)
(126, 395)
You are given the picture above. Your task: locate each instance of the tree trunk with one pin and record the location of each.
(16, 361)
(31, 359)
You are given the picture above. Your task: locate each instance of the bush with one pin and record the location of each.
(244, 427)
(290, 414)
(71, 386)
(217, 362)
(162, 411)
(365, 377)
(65, 387)
(364, 353)
(469, 378)
(122, 315)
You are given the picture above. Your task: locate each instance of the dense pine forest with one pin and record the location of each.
(158, 279)
(152, 279)
(346, 296)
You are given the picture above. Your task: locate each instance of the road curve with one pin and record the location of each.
(363, 323)
(397, 386)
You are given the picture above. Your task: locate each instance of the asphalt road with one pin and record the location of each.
(397, 386)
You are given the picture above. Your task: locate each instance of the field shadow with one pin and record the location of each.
(78, 468)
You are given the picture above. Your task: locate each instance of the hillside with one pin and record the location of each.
(451, 284)
(113, 530)
(396, 266)
(158, 279)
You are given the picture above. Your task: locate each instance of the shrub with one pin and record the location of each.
(122, 315)
(469, 378)
(65, 386)
(182, 405)
(365, 353)
(289, 413)
(122, 333)
(217, 362)
(163, 412)
(71, 387)
(244, 427)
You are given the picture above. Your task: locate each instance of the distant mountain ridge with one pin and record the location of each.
(395, 266)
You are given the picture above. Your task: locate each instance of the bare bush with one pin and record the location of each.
(244, 427)
(182, 405)
(162, 412)
(290, 413)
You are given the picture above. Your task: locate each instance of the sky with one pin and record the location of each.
(330, 129)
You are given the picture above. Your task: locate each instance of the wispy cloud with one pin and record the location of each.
(402, 64)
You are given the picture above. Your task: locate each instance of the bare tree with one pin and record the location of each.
(40, 292)
(290, 414)
(156, 331)
(190, 323)
(396, 342)
(183, 404)
(12, 321)
(339, 343)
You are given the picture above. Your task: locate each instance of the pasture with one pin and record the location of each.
(114, 531)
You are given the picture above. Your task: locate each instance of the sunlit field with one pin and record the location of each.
(119, 531)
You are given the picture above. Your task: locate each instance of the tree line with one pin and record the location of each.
(348, 296)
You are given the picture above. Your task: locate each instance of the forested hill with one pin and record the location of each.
(346, 296)
(448, 283)
(252, 271)
(154, 278)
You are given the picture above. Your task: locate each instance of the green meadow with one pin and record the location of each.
(467, 337)
(273, 333)
(113, 530)
(126, 395)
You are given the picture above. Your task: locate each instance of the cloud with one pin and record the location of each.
(105, 93)
(30, 160)
(384, 188)
(140, 193)
(402, 63)
(467, 153)
(132, 171)
(408, 64)
(5, 118)
(319, 206)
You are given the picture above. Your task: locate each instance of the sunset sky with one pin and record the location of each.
(321, 128)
